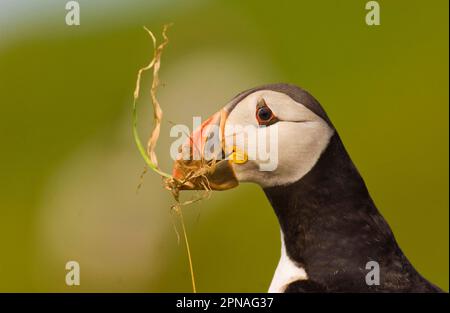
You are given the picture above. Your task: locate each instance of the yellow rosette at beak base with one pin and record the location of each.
(239, 156)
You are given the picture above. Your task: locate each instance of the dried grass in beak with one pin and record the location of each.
(193, 175)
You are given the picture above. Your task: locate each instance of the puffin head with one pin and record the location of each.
(270, 135)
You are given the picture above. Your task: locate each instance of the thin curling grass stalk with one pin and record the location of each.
(149, 154)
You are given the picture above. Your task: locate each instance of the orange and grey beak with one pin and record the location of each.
(204, 153)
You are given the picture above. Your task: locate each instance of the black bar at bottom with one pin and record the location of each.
(218, 302)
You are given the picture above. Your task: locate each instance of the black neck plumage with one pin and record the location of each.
(333, 229)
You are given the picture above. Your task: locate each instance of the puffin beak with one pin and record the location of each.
(205, 153)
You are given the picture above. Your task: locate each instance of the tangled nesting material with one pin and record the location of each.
(194, 173)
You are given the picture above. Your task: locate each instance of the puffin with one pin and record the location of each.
(333, 238)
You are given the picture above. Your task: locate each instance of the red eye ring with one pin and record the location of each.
(264, 114)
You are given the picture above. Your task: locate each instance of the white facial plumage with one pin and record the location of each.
(302, 136)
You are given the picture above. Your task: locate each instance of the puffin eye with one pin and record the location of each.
(264, 114)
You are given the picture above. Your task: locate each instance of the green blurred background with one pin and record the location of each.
(69, 168)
